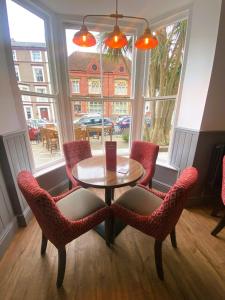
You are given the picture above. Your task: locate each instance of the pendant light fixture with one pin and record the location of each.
(115, 39)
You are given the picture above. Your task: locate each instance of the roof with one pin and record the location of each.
(28, 45)
(81, 61)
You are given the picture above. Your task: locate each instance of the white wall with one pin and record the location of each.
(9, 120)
(202, 44)
(214, 113)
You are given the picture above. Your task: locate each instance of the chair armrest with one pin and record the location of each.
(70, 177)
(159, 194)
(59, 197)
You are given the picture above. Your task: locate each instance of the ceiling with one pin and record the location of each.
(149, 9)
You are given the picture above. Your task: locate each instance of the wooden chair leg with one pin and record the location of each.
(158, 259)
(61, 266)
(219, 227)
(173, 238)
(44, 242)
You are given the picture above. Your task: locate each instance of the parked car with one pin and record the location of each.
(124, 122)
(93, 121)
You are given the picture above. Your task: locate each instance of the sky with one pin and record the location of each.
(19, 18)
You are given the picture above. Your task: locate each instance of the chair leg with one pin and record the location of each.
(61, 266)
(173, 238)
(113, 194)
(70, 185)
(158, 259)
(150, 184)
(219, 227)
(44, 242)
(108, 231)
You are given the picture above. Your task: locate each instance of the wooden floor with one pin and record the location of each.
(196, 270)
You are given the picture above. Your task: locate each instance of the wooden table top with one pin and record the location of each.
(92, 172)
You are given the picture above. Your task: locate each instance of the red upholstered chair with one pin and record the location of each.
(74, 152)
(156, 213)
(146, 154)
(63, 218)
(221, 223)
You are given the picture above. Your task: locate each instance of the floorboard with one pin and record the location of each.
(196, 270)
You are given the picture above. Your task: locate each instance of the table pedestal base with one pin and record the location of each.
(117, 228)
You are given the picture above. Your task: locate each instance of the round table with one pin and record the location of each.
(92, 172)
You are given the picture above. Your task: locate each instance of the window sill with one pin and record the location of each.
(161, 161)
(49, 169)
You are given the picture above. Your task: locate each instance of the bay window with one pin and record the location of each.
(98, 88)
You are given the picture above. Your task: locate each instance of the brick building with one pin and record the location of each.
(85, 81)
(32, 72)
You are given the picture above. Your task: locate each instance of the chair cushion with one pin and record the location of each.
(140, 201)
(79, 204)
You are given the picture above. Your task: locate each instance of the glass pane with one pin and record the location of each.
(117, 124)
(158, 126)
(117, 69)
(29, 49)
(166, 60)
(43, 130)
(164, 77)
(100, 74)
(87, 122)
(84, 67)
(29, 52)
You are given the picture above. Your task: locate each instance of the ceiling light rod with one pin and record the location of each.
(117, 16)
(115, 39)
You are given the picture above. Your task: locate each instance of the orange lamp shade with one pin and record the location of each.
(116, 39)
(84, 38)
(146, 41)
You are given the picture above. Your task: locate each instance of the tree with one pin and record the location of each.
(116, 54)
(164, 76)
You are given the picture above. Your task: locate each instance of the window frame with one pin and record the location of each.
(184, 14)
(21, 86)
(55, 95)
(31, 111)
(34, 74)
(91, 89)
(41, 99)
(32, 57)
(116, 81)
(78, 85)
(17, 71)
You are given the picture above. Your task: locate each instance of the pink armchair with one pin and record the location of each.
(63, 218)
(156, 213)
(146, 154)
(74, 152)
